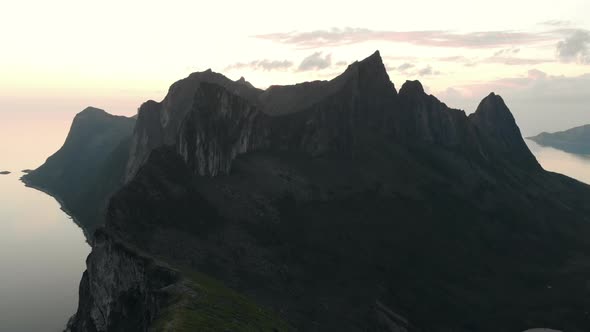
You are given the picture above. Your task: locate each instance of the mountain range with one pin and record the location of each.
(341, 205)
(575, 140)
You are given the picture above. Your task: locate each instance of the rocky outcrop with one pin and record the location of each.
(121, 290)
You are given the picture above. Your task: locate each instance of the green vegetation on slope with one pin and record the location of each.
(207, 305)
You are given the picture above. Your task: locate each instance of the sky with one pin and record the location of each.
(57, 57)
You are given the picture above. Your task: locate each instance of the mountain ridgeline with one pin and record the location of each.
(575, 140)
(339, 205)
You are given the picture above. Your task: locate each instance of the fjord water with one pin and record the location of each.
(42, 257)
(572, 165)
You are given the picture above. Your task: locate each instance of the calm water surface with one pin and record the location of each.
(42, 255)
(42, 252)
(575, 166)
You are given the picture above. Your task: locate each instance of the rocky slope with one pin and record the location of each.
(121, 290)
(575, 140)
(89, 166)
(342, 205)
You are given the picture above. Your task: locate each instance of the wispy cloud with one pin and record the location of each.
(405, 66)
(434, 38)
(316, 61)
(507, 51)
(265, 65)
(503, 56)
(410, 69)
(427, 71)
(513, 61)
(556, 23)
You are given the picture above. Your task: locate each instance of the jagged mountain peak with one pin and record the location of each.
(495, 119)
(242, 81)
(412, 88)
(371, 69)
(493, 109)
(372, 60)
(207, 75)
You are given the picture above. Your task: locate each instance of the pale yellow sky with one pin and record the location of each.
(57, 57)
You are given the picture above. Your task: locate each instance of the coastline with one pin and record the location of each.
(61, 206)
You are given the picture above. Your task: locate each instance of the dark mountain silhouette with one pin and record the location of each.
(339, 205)
(575, 140)
(4, 172)
(89, 166)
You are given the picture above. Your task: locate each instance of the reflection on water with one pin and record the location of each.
(42, 256)
(572, 165)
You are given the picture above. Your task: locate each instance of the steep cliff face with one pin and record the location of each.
(220, 126)
(158, 124)
(121, 290)
(427, 120)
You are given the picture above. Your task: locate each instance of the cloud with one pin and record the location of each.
(514, 61)
(556, 23)
(405, 66)
(316, 61)
(504, 56)
(575, 48)
(507, 51)
(427, 71)
(536, 74)
(435, 38)
(265, 65)
(456, 58)
(409, 69)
